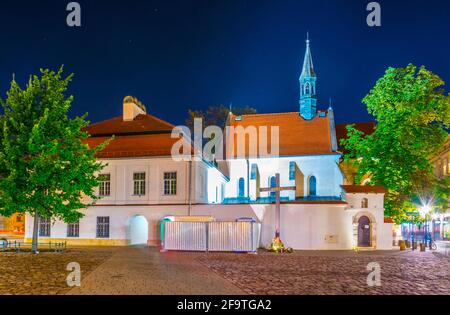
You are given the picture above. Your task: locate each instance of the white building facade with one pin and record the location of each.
(142, 184)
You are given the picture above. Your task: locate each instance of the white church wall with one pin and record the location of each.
(323, 167)
(382, 235)
(215, 185)
(237, 169)
(303, 226)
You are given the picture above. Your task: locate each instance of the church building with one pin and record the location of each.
(142, 183)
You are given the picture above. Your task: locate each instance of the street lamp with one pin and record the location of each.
(425, 210)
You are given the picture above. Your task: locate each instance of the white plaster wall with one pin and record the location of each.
(323, 167)
(119, 221)
(303, 226)
(204, 180)
(384, 231)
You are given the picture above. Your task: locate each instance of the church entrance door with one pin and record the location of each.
(364, 232)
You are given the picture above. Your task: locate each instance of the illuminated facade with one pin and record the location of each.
(441, 223)
(142, 183)
(14, 225)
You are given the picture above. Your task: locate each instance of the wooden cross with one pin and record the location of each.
(277, 190)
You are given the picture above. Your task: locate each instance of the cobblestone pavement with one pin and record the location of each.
(25, 273)
(144, 270)
(333, 272)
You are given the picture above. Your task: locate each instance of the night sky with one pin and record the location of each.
(176, 55)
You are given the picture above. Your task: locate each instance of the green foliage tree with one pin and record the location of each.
(413, 115)
(46, 169)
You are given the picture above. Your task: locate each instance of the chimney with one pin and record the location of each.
(132, 107)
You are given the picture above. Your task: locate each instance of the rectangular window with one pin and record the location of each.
(105, 185)
(102, 227)
(170, 183)
(44, 227)
(139, 184)
(73, 229)
(292, 166)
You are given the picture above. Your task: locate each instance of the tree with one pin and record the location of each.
(216, 115)
(413, 115)
(45, 166)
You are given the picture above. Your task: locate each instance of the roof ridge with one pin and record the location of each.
(276, 113)
(266, 114)
(159, 119)
(102, 121)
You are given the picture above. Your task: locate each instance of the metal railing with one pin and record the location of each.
(211, 236)
(15, 246)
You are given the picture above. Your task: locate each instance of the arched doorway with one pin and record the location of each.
(364, 233)
(138, 230)
(241, 187)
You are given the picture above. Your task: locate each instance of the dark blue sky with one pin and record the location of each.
(179, 54)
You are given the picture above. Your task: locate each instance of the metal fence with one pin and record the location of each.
(211, 236)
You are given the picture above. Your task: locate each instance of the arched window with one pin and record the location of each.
(273, 184)
(364, 203)
(312, 186)
(307, 88)
(241, 187)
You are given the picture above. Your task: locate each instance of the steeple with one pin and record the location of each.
(308, 100)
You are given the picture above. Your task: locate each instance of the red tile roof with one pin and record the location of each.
(388, 220)
(364, 189)
(142, 137)
(141, 124)
(297, 136)
(134, 146)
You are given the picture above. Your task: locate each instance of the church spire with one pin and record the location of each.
(308, 66)
(308, 79)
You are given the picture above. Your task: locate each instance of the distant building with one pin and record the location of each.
(348, 169)
(15, 225)
(441, 223)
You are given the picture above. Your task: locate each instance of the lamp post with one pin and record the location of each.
(424, 212)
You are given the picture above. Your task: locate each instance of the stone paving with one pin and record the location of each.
(334, 273)
(45, 274)
(144, 270)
